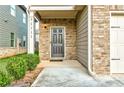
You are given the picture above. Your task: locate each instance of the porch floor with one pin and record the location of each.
(64, 63)
(70, 73)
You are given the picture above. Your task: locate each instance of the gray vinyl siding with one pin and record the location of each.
(22, 27)
(6, 27)
(82, 37)
(14, 25)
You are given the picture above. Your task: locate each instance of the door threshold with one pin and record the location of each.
(57, 59)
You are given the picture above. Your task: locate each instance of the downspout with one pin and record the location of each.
(90, 43)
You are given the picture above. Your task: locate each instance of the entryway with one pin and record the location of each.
(57, 42)
(64, 32)
(117, 43)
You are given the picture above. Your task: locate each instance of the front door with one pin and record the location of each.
(57, 42)
(117, 44)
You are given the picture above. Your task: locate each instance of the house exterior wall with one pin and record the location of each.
(6, 27)
(22, 27)
(82, 37)
(44, 36)
(11, 24)
(100, 19)
(8, 52)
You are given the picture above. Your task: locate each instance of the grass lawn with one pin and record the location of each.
(3, 63)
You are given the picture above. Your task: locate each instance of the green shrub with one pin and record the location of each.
(32, 61)
(36, 52)
(17, 67)
(4, 79)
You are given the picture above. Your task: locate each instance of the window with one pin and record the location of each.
(20, 42)
(24, 41)
(24, 18)
(12, 39)
(13, 10)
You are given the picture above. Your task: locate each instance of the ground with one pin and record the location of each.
(72, 74)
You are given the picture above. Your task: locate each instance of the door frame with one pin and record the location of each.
(64, 35)
(110, 14)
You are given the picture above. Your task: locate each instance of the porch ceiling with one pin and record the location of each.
(58, 14)
(66, 11)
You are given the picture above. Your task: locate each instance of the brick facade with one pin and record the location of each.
(101, 36)
(7, 52)
(44, 44)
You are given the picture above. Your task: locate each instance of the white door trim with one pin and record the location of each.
(110, 14)
(64, 31)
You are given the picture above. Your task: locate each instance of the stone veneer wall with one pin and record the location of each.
(7, 52)
(101, 36)
(44, 44)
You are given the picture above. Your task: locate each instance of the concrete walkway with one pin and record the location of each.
(71, 73)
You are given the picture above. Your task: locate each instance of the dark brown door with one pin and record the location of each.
(57, 42)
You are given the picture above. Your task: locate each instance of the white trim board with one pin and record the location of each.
(48, 7)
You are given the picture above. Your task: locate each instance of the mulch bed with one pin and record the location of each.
(29, 78)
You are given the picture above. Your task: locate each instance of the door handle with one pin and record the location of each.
(115, 59)
(115, 26)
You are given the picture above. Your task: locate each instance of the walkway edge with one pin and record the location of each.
(37, 78)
